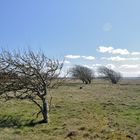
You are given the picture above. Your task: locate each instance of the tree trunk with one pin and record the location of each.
(89, 81)
(45, 111)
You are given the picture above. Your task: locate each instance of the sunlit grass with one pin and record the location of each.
(97, 111)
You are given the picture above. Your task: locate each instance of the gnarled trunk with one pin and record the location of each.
(45, 111)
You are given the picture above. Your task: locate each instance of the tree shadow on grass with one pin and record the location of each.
(16, 122)
(9, 121)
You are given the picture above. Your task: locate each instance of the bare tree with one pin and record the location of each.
(28, 75)
(109, 74)
(83, 73)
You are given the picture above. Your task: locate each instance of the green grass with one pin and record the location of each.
(98, 111)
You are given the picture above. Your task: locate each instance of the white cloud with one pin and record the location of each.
(130, 70)
(120, 51)
(73, 56)
(94, 66)
(97, 65)
(90, 67)
(130, 74)
(110, 49)
(118, 58)
(134, 58)
(67, 62)
(103, 49)
(88, 57)
(135, 53)
(129, 66)
(78, 56)
(110, 66)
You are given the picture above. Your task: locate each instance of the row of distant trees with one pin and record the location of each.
(86, 74)
(29, 75)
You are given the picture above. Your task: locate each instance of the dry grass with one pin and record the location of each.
(98, 111)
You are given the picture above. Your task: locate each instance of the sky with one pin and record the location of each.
(85, 32)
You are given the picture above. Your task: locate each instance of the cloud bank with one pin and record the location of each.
(79, 56)
(111, 50)
(103, 49)
(118, 58)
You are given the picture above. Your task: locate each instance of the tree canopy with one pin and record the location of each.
(109, 74)
(28, 75)
(83, 73)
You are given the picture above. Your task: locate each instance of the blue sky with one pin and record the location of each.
(86, 32)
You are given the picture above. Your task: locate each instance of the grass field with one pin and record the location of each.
(99, 111)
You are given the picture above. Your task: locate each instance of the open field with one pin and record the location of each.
(99, 111)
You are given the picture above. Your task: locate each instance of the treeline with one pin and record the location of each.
(86, 74)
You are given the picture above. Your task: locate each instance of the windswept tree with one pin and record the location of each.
(28, 76)
(83, 73)
(109, 74)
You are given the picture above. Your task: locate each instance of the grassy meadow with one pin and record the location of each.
(99, 111)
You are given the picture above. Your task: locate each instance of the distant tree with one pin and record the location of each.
(83, 73)
(28, 76)
(109, 74)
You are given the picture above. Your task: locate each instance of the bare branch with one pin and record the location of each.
(28, 75)
(83, 73)
(109, 74)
